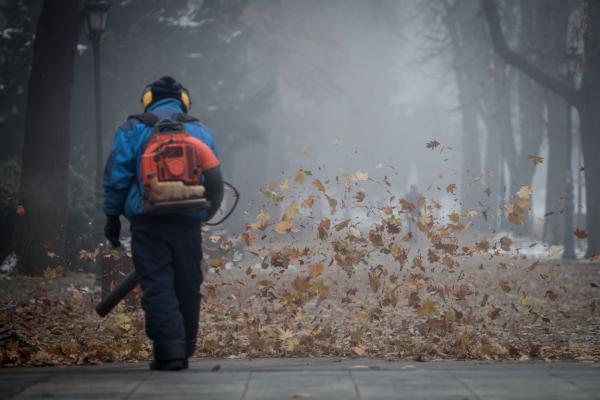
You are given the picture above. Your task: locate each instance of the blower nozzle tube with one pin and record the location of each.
(118, 294)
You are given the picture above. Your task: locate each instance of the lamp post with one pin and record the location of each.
(95, 13)
(95, 18)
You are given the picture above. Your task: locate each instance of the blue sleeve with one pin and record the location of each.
(119, 173)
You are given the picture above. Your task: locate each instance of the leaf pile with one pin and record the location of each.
(346, 267)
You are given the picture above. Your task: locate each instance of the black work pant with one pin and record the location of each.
(167, 252)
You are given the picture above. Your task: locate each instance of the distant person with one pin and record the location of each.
(161, 163)
(415, 198)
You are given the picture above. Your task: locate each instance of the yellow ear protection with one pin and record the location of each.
(185, 99)
(147, 97)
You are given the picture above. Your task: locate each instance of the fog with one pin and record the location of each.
(418, 180)
(336, 87)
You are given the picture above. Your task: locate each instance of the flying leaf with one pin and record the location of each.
(319, 185)
(524, 193)
(308, 202)
(427, 309)
(283, 227)
(291, 212)
(360, 176)
(472, 213)
(342, 225)
(433, 144)
(347, 184)
(454, 217)
(376, 238)
(448, 261)
(359, 196)
(580, 233)
(407, 205)
(535, 159)
(505, 243)
(247, 238)
(262, 221)
(315, 270)
(323, 228)
(332, 203)
(299, 177)
(271, 186)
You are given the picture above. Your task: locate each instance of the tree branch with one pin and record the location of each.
(516, 60)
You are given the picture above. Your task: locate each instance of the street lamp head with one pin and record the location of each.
(95, 16)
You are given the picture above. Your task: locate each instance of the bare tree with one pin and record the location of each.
(553, 53)
(586, 99)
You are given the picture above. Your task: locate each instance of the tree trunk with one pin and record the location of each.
(39, 234)
(471, 159)
(531, 107)
(590, 139)
(466, 60)
(589, 116)
(556, 172)
(492, 170)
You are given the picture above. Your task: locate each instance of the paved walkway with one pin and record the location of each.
(264, 379)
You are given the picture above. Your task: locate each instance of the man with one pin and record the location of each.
(413, 196)
(166, 247)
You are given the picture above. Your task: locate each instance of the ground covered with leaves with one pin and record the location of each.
(397, 278)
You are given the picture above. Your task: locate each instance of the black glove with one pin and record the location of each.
(112, 230)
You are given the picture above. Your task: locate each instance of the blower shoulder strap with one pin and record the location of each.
(146, 118)
(183, 117)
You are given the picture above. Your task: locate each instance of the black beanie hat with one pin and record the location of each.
(166, 87)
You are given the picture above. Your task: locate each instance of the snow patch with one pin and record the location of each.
(8, 265)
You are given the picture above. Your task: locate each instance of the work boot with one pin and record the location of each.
(170, 365)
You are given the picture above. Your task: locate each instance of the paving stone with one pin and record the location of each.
(413, 384)
(10, 385)
(72, 389)
(587, 380)
(519, 383)
(329, 385)
(192, 385)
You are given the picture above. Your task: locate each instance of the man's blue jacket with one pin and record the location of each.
(122, 194)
